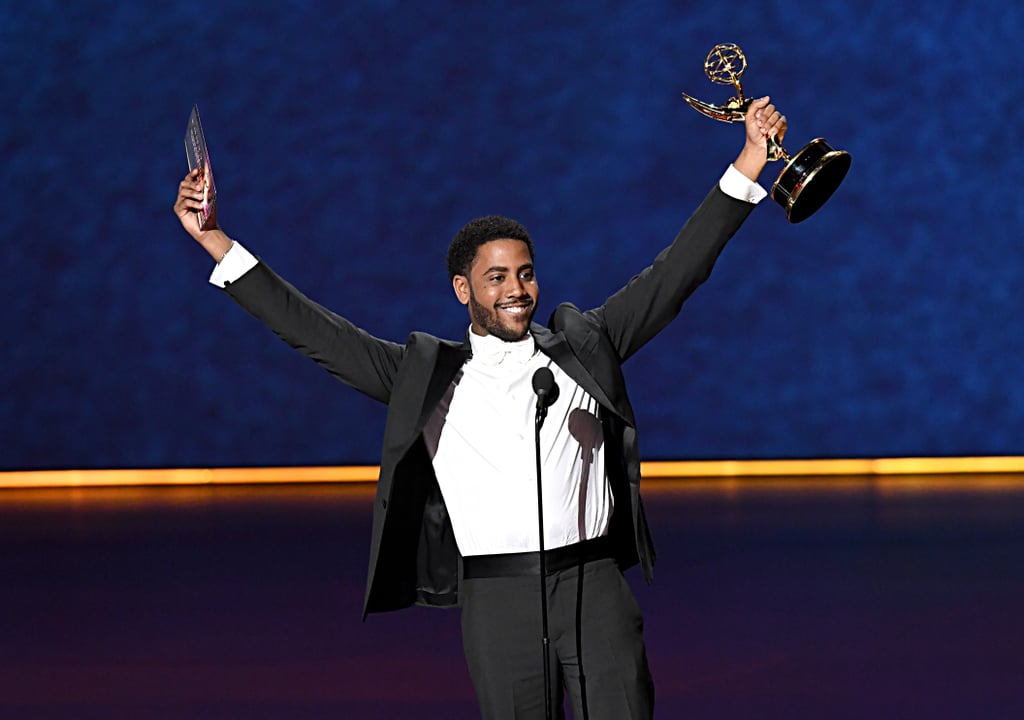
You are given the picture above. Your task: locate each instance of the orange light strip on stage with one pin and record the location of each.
(682, 470)
(188, 476)
(833, 467)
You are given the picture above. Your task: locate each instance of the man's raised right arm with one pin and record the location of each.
(349, 353)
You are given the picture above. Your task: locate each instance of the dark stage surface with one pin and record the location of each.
(817, 599)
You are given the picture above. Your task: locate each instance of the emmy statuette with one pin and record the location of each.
(809, 177)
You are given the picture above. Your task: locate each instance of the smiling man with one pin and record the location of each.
(456, 519)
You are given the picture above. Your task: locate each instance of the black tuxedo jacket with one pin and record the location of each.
(413, 557)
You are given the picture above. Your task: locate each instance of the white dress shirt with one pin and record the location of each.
(483, 445)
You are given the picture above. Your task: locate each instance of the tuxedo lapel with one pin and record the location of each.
(450, 357)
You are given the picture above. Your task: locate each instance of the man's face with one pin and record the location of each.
(501, 290)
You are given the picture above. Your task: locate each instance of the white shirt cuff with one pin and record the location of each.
(237, 261)
(737, 185)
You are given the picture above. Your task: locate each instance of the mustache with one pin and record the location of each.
(525, 300)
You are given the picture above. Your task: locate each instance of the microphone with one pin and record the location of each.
(547, 392)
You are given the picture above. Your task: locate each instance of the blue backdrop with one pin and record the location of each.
(351, 140)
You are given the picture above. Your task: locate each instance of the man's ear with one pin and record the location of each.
(460, 283)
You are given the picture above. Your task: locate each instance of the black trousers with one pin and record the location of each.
(596, 645)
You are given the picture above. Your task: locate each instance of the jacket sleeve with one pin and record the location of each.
(653, 298)
(349, 353)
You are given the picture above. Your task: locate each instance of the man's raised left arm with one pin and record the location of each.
(653, 298)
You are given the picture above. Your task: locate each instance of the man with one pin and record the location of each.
(456, 514)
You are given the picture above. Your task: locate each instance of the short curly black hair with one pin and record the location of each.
(462, 250)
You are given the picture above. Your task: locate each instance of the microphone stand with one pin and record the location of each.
(547, 392)
(542, 411)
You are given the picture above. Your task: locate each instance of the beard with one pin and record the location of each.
(491, 321)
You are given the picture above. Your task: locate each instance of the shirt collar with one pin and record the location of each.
(494, 351)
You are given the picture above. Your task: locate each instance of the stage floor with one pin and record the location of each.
(823, 598)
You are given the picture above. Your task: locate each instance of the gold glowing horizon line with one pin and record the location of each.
(681, 469)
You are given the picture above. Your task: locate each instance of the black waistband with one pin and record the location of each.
(528, 563)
